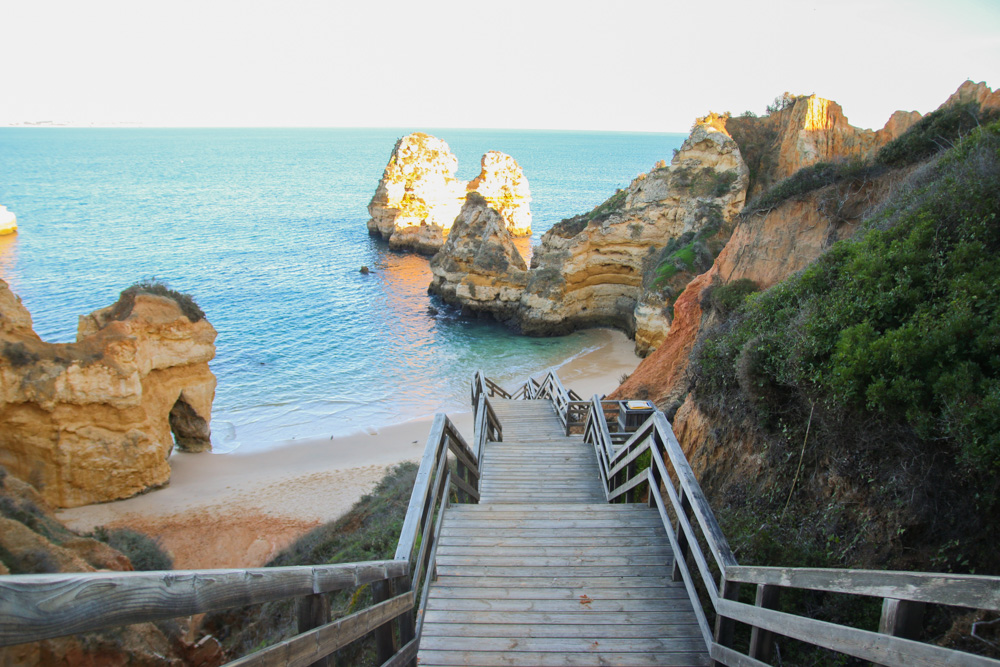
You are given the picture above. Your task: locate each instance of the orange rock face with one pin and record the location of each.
(766, 248)
(95, 420)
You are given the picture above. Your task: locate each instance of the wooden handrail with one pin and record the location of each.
(43, 606)
(35, 607)
(693, 522)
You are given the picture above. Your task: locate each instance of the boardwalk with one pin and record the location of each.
(544, 572)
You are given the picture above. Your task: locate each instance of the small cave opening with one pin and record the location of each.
(190, 430)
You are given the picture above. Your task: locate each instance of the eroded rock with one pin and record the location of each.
(589, 269)
(95, 420)
(8, 221)
(418, 198)
(479, 269)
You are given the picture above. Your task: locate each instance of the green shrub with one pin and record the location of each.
(934, 132)
(18, 355)
(902, 325)
(810, 179)
(724, 298)
(145, 552)
(126, 300)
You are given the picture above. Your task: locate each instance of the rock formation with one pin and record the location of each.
(418, 197)
(765, 248)
(502, 183)
(975, 92)
(34, 541)
(8, 222)
(479, 269)
(809, 130)
(95, 420)
(589, 269)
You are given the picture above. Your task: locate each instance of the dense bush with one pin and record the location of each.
(126, 300)
(725, 298)
(934, 132)
(145, 552)
(809, 179)
(902, 325)
(369, 531)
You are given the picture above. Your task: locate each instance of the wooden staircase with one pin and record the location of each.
(544, 572)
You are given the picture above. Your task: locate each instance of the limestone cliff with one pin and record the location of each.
(764, 248)
(418, 196)
(804, 131)
(479, 269)
(95, 420)
(975, 92)
(8, 222)
(589, 269)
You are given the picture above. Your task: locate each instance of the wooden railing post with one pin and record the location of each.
(314, 611)
(724, 626)
(901, 618)
(384, 645)
(762, 641)
(682, 541)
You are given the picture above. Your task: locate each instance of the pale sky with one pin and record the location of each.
(649, 65)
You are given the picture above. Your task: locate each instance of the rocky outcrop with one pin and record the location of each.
(765, 248)
(8, 221)
(974, 92)
(95, 420)
(806, 131)
(589, 269)
(479, 269)
(502, 184)
(418, 197)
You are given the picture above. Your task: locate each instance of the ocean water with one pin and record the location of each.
(265, 228)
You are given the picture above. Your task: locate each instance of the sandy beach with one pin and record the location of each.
(240, 509)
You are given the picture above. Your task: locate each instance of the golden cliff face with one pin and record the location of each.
(95, 420)
(589, 270)
(418, 197)
(8, 222)
(479, 269)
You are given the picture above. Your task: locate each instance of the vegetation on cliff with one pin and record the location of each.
(122, 308)
(369, 531)
(938, 130)
(859, 401)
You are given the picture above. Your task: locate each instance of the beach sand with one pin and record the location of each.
(239, 510)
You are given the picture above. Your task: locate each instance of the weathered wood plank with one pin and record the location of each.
(552, 561)
(514, 610)
(592, 631)
(558, 582)
(39, 606)
(306, 648)
(419, 498)
(876, 647)
(557, 617)
(564, 572)
(573, 594)
(602, 659)
(563, 644)
(587, 551)
(961, 590)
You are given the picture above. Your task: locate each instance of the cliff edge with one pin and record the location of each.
(95, 420)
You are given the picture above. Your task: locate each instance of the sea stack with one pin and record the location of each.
(8, 221)
(479, 269)
(96, 420)
(418, 198)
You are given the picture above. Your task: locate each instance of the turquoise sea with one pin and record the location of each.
(266, 229)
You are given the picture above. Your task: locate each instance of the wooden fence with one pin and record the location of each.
(42, 606)
(689, 521)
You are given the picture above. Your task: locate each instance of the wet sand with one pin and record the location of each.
(239, 510)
